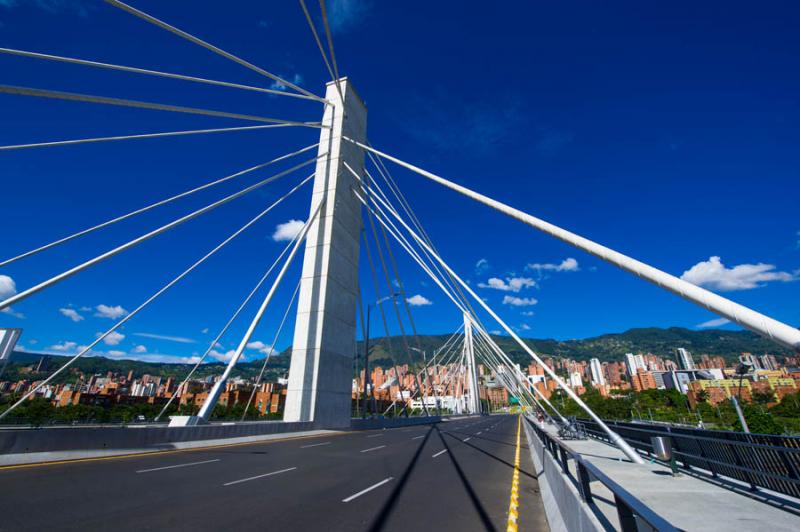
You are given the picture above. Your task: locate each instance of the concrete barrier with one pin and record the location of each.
(388, 423)
(563, 505)
(28, 446)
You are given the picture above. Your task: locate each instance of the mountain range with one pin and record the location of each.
(387, 351)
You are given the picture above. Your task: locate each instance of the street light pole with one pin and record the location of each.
(366, 356)
(366, 368)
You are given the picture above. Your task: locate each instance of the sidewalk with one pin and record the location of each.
(687, 502)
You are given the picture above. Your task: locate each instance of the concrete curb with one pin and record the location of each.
(565, 510)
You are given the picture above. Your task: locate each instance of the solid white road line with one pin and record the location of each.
(467, 439)
(373, 449)
(439, 453)
(178, 465)
(375, 435)
(315, 445)
(259, 476)
(418, 437)
(362, 492)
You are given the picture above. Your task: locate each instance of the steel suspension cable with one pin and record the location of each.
(389, 288)
(388, 339)
(163, 25)
(154, 205)
(771, 328)
(321, 49)
(330, 46)
(152, 298)
(122, 102)
(271, 349)
(211, 400)
(615, 438)
(227, 326)
(135, 70)
(57, 143)
(108, 254)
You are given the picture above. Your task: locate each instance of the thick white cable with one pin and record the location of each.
(122, 102)
(208, 46)
(153, 206)
(108, 254)
(615, 438)
(97, 64)
(153, 297)
(771, 328)
(227, 326)
(213, 396)
(57, 143)
(271, 349)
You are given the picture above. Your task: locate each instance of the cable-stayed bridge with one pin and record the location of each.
(320, 467)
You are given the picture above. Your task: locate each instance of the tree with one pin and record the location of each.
(759, 422)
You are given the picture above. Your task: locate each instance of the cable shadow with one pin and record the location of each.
(467, 486)
(388, 506)
(476, 437)
(490, 455)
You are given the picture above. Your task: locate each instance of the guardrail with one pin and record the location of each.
(629, 508)
(760, 460)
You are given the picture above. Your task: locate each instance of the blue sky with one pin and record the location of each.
(667, 132)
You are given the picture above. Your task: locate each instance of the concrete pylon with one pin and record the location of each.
(474, 405)
(321, 370)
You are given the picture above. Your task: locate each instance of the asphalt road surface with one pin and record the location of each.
(455, 475)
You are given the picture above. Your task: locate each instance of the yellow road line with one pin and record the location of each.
(513, 505)
(156, 453)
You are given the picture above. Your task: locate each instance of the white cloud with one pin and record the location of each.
(113, 338)
(519, 301)
(64, 346)
(139, 349)
(567, 265)
(7, 287)
(346, 14)
(715, 275)
(222, 357)
(297, 79)
(71, 313)
(481, 267)
(115, 353)
(511, 284)
(205, 331)
(261, 347)
(112, 313)
(718, 322)
(288, 230)
(419, 301)
(178, 339)
(528, 313)
(524, 327)
(10, 311)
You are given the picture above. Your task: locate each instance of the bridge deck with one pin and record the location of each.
(299, 484)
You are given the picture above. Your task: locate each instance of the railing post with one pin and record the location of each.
(739, 463)
(583, 482)
(627, 521)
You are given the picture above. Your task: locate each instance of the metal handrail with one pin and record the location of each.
(774, 467)
(628, 506)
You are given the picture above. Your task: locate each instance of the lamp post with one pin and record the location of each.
(366, 353)
(742, 369)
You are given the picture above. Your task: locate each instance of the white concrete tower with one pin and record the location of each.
(321, 370)
(474, 405)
